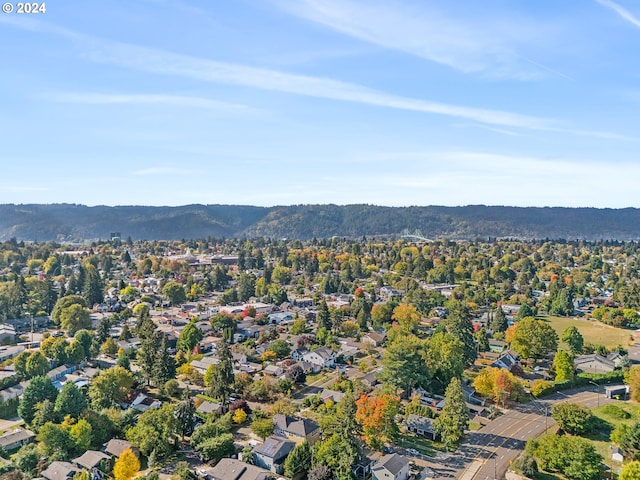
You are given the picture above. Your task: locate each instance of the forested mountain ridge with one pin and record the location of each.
(70, 222)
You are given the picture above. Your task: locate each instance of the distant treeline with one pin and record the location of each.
(70, 222)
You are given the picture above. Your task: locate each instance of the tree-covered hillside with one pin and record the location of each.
(79, 222)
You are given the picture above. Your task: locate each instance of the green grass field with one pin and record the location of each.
(607, 423)
(592, 331)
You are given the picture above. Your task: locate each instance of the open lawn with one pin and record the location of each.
(610, 416)
(422, 445)
(593, 331)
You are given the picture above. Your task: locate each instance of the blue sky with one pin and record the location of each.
(276, 102)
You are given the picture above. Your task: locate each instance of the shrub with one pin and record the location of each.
(615, 411)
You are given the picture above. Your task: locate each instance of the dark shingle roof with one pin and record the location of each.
(393, 462)
(300, 427)
(275, 447)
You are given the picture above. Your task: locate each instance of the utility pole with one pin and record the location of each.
(597, 391)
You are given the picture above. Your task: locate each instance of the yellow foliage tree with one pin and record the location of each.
(632, 378)
(407, 316)
(268, 356)
(240, 416)
(126, 466)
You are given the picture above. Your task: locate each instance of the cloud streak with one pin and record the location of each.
(621, 11)
(141, 99)
(161, 62)
(483, 45)
(167, 63)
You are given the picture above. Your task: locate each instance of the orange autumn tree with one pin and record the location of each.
(377, 414)
(498, 384)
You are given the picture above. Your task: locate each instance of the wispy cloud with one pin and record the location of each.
(620, 10)
(478, 43)
(167, 63)
(162, 62)
(141, 99)
(164, 171)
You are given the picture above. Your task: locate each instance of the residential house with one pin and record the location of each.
(306, 366)
(91, 459)
(298, 354)
(391, 467)
(508, 360)
(13, 392)
(280, 317)
(322, 357)
(303, 302)
(7, 333)
(60, 471)
(497, 346)
(471, 395)
(331, 395)
(348, 350)
(59, 372)
(202, 365)
(296, 429)
(421, 426)
(209, 408)
(617, 358)
(272, 453)
(594, 363)
(129, 345)
(370, 379)
(387, 292)
(374, 338)
(273, 370)
(143, 402)
(116, 446)
(10, 352)
(231, 469)
(16, 438)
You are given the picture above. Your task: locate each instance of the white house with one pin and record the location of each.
(322, 357)
(391, 467)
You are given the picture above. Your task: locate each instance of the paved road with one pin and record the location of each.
(487, 453)
(315, 387)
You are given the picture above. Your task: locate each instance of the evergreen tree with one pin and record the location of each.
(102, 332)
(147, 355)
(454, 416)
(185, 414)
(459, 323)
(298, 461)
(482, 340)
(93, 288)
(165, 365)
(85, 339)
(323, 318)
(499, 321)
(221, 382)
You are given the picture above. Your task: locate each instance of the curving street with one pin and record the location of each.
(486, 453)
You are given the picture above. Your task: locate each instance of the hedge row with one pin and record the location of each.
(542, 388)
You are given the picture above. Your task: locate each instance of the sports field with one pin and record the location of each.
(592, 331)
